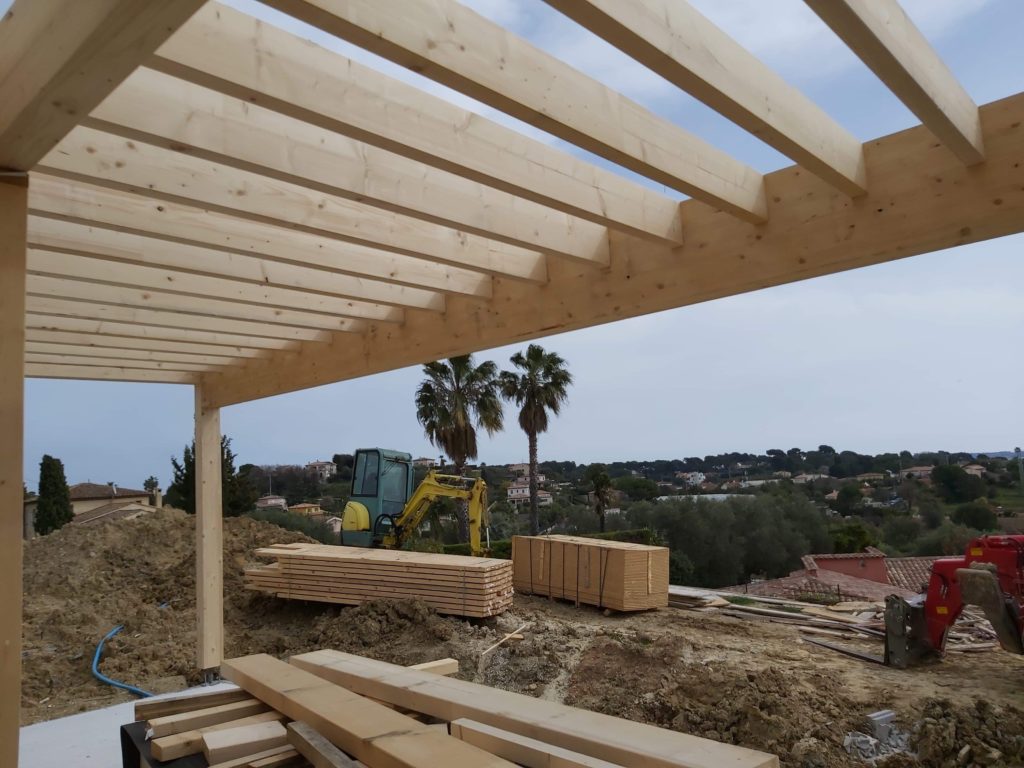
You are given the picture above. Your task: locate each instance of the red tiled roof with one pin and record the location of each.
(85, 491)
(869, 552)
(824, 583)
(910, 572)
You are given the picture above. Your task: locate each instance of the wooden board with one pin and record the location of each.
(609, 574)
(464, 586)
(147, 709)
(200, 718)
(191, 742)
(369, 731)
(522, 750)
(590, 733)
(258, 758)
(245, 740)
(318, 750)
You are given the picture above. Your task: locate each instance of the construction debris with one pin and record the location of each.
(460, 586)
(609, 574)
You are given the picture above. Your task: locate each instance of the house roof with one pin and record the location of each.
(909, 572)
(86, 491)
(115, 510)
(811, 562)
(304, 505)
(824, 582)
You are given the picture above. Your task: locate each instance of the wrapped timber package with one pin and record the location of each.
(609, 574)
(453, 584)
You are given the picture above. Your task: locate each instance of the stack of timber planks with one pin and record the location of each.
(609, 574)
(336, 710)
(452, 584)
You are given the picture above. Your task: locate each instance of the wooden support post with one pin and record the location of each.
(209, 538)
(13, 219)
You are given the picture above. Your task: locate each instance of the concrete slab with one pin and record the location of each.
(86, 740)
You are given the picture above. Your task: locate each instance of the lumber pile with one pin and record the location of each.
(452, 584)
(609, 574)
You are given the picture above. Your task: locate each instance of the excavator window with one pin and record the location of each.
(394, 486)
(364, 479)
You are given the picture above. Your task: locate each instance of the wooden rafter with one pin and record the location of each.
(921, 199)
(881, 33)
(459, 48)
(673, 39)
(71, 350)
(228, 51)
(116, 360)
(168, 112)
(103, 159)
(145, 343)
(86, 373)
(60, 58)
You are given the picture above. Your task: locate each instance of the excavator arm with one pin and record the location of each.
(990, 575)
(436, 486)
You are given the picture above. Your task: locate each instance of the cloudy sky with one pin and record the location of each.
(925, 353)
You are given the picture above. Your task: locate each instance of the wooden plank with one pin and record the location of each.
(276, 753)
(200, 718)
(73, 350)
(121, 247)
(522, 750)
(118, 362)
(280, 760)
(191, 742)
(143, 344)
(368, 731)
(147, 709)
(590, 733)
(65, 200)
(85, 372)
(13, 207)
(244, 57)
(674, 40)
(243, 741)
(921, 199)
(168, 112)
(318, 750)
(209, 537)
(101, 159)
(891, 45)
(95, 270)
(457, 47)
(61, 58)
(139, 298)
(92, 317)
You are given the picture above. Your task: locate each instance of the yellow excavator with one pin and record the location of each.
(384, 509)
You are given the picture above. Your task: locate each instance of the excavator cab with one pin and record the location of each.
(382, 483)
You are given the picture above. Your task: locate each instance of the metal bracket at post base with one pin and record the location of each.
(211, 676)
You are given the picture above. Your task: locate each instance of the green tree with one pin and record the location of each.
(53, 509)
(900, 534)
(946, 540)
(637, 488)
(540, 385)
(151, 484)
(953, 484)
(932, 513)
(237, 493)
(601, 487)
(456, 398)
(848, 499)
(853, 535)
(976, 514)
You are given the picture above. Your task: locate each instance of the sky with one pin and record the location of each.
(920, 354)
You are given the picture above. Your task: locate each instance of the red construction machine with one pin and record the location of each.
(990, 575)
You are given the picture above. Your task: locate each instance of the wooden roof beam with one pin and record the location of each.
(86, 340)
(95, 270)
(85, 372)
(115, 361)
(60, 58)
(110, 245)
(94, 313)
(165, 111)
(921, 199)
(233, 53)
(102, 159)
(884, 37)
(71, 350)
(130, 297)
(674, 40)
(457, 47)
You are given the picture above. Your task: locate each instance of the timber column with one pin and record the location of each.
(209, 539)
(13, 223)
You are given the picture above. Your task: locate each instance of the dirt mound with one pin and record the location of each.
(984, 734)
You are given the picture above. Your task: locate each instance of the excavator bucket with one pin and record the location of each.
(979, 586)
(906, 632)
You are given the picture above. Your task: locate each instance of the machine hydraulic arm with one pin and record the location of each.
(436, 486)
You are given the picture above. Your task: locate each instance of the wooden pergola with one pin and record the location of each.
(192, 196)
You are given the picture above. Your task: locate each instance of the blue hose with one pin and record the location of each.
(103, 678)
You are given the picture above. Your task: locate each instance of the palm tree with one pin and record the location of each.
(539, 387)
(597, 476)
(456, 398)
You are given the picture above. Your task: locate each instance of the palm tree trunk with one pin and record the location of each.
(600, 515)
(534, 512)
(462, 511)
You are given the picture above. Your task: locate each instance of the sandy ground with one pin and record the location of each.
(743, 682)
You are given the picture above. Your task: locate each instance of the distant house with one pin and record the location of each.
(871, 477)
(271, 502)
(809, 478)
(782, 474)
(520, 494)
(423, 462)
(974, 469)
(86, 497)
(691, 478)
(115, 510)
(307, 509)
(918, 473)
(832, 495)
(324, 470)
(519, 469)
(334, 523)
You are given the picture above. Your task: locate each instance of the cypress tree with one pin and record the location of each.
(53, 510)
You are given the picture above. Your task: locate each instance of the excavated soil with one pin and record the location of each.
(740, 682)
